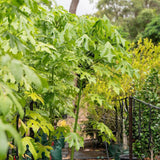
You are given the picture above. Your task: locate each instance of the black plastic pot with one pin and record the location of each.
(126, 157)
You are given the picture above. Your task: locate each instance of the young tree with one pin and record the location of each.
(41, 51)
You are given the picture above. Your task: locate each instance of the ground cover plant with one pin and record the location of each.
(43, 51)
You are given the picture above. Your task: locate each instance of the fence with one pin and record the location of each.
(143, 125)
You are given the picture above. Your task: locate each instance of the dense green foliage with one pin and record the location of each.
(152, 30)
(131, 15)
(147, 142)
(137, 21)
(42, 51)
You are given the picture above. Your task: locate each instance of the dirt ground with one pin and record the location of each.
(85, 154)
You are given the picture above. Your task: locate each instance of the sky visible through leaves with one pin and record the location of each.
(84, 7)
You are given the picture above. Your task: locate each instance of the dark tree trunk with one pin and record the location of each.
(73, 6)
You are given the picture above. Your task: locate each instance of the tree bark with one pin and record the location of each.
(73, 6)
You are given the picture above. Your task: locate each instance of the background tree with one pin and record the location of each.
(135, 26)
(115, 10)
(131, 15)
(73, 6)
(152, 30)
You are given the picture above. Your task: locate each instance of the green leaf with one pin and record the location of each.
(12, 41)
(5, 104)
(5, 45)
(35, 125)
(23, 128)
(108, 23)
(7, 128)
(38, 122)
(5, 59)
(3, 144)
(114, 86)
(42, 47)
(42, 148)
(16, 103)
(74, 139)
(104, 131)
(29, 141)
(85, 42)
(97, 98)
(32, 77)
(44, 128)
(107, 51)
(16, 69)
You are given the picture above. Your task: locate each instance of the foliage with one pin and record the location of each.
(103, 131)
(36, 148)
(42, 51)
(145, 87)
(152, 30)
(90, 48)
(36, 121)
(137, 25)
(145, 58)
(114, 9)
(7, 130)
(74, 139)
(149, 93)
(17, 77)
(144, 18)
(132, 16)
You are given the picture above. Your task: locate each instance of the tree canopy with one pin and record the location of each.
(131, 15)
(152, 30)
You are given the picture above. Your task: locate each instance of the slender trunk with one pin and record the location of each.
(76, 119)
(73, 6)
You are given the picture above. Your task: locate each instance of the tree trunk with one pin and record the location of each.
(73, 6)
(76, 119)
(72, 9)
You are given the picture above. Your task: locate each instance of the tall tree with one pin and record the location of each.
(152, 30)
(131, 13)
(113, 9)
(73, 6)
